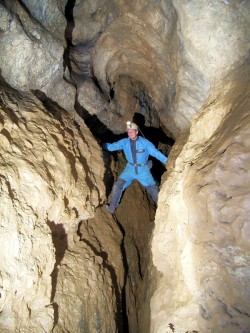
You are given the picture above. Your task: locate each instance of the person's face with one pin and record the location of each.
(132, 134)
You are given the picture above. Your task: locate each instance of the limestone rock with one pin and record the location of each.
(175, 51)
(51, 175)
(31, 58)
(50, 14)
(201, 239)
(90, 99)
(178, 65)
(90, 278)
(212, 40)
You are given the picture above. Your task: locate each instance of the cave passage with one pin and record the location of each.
(72, 73)
(136, 227)
(127, 100)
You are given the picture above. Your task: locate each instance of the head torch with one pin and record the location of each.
(131, 126)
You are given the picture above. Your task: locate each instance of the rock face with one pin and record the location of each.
(50, 168)
(201, 239)
(90, 278)
(31, 52)
(68, 266)
(159, 58)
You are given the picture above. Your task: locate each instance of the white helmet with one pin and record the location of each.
(131, 126)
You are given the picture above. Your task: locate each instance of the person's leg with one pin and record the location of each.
(153, 190)
(124, 180)
(146, 179)
(116, 194)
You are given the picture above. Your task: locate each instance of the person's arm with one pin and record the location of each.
(156, 153)
(114, 146)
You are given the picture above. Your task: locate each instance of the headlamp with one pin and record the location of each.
(128, 124)
(131, 125)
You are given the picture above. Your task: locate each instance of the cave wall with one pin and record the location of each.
(112, 57)
(32, 49)
(201, 240)
(51, 180)
(184, 66)
(176, 50)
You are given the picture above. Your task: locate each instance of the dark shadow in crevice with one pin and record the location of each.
(59, 238)
(102, 134)
(155, 135)
(69, 8)
(112, 94)
(99, 130)
(50, 105)
(161, 141)
(126, 270)
(120, 316)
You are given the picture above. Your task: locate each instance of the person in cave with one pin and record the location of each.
(137, 150)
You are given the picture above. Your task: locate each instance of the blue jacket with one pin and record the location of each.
(144, 148)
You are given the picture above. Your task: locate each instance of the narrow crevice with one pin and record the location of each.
(138, 261)
(123, 292)
(59, 238)
(112, 94)
(69, 32)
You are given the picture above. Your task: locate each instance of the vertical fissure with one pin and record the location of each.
(125, 323)
(69, 31)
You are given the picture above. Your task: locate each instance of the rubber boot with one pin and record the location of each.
(153, 191)
(116, 195)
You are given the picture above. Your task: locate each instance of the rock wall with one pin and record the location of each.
(32, 49)
(171, 52)
(52, 272)
(201, 239)
(67, 265)
(89, 281)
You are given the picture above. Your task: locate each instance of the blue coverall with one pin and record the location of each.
(136, 153)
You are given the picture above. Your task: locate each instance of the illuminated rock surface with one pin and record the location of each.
(72, 73)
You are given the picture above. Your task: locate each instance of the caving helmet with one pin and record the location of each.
(131, 126)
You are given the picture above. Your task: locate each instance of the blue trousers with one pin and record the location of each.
(143, 176)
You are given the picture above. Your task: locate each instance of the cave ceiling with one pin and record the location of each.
(111, 59)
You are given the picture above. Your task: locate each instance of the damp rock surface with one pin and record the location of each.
(51, 180)
(200, 242)
(90, 278)
(31, 52)
(72, 73)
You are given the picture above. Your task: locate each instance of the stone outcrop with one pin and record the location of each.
(51, 180)
(201, 239)
(89, 280)
(32, 53)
